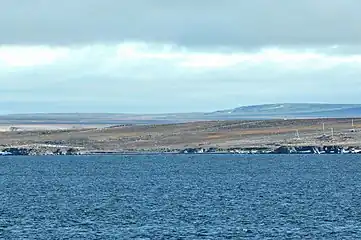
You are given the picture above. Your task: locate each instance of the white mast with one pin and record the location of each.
(297, 134)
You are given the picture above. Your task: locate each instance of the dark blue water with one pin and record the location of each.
(181, 197)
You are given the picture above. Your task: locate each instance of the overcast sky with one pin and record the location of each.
(145, 56)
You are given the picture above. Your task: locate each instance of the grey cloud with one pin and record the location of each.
(197, 92)
(240, 23)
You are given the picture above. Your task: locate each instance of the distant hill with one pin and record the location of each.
(293, 110)
(265, 111)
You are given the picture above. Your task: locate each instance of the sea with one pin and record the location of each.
(181, 197)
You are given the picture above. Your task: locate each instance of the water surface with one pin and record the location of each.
(181, 197)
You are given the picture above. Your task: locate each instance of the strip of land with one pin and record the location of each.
(216, 135)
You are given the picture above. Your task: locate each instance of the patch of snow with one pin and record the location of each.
(275, 107)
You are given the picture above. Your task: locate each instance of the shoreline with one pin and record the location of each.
(277, 136)
(290, 150)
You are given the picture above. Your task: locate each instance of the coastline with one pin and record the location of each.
(278, 136)
(330, 149)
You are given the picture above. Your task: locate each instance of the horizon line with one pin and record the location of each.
(194, 112)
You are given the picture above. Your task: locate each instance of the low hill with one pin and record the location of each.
(292, 110)
(265, 111)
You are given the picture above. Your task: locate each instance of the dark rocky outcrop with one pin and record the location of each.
(333, 149)
(297, 150)
(279, 150)
(212, 150)
(72, 151)
(17, 151)
(284, 150)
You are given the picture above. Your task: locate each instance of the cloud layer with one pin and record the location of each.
(145, 77)
(176, 56)
(245, 24)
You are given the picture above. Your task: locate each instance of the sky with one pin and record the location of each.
(157, 56)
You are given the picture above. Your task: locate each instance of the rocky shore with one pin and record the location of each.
(15, 151)
(20, 151)
(279, 150)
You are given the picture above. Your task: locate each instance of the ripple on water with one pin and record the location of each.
(180, 197)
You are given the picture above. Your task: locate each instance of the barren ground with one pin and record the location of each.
(222, 134)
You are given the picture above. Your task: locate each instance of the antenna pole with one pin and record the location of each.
(332, 132)
(297, 134)
(323, 128)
